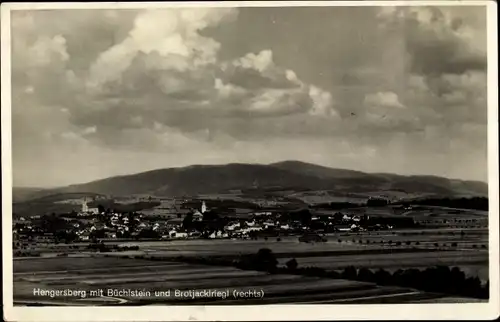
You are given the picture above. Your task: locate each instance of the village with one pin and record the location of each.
(99, 224)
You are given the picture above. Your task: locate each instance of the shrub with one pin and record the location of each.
(292, 264)
(366, 275)
(382, 277)
(333, 274)
(350, 273)
(265, 260)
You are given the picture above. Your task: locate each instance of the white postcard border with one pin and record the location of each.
(482, 311)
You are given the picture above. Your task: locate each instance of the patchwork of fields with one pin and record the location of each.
(462, 242)
(33, 276)
(121, 271)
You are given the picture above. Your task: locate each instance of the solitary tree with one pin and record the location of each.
(187, 222)
(265, 259)
(292, 264)
(350, 272)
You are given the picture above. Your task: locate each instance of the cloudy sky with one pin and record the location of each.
(97, 93)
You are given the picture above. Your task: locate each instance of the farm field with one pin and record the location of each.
(287, 244)
(348, 242)
(93, 273)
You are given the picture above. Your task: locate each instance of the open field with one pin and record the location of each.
(472, 239)
(348, 241)
(94, 273)
(219, 247)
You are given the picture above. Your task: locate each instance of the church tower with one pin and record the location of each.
(85, 207)
(203, 207)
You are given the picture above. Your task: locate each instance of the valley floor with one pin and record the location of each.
(126, 271)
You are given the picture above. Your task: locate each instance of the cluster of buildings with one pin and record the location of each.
(91, 224)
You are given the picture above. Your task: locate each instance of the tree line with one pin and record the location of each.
(477, 203)
(438, 279)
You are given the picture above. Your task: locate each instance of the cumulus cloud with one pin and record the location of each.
(438, 40)
(172, 33)
(323, 104)
(160, 87)
(42, 52)
(175, 70)
(384, 99)
(223, 84)
(385, 112)
(446, 54)
(260, 62)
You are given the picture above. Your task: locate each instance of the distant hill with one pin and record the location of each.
(287, 175)
(21, 193)
(318, 171)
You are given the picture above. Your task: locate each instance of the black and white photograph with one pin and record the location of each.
(208, 154)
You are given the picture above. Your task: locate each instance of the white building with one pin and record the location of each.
(87, 210)
(265, 213)
(198, 216)
(232, 226)
(285, 227)
(179, 235)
